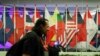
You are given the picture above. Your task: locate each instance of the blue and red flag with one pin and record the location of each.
(1, 26)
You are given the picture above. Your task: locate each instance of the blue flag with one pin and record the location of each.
(96, 40)
(28, 19)
(9, 26)
(1, 26)
(79, 20)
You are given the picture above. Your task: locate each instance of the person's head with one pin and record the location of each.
(41, 25)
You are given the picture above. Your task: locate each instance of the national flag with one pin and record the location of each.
(60, 26)
(68, 15)
(36, 15)
(81, 34)
(28, 19)
(70, 29)
(17, 18)
(50, 32)
(61, 38)
(91, 27)
(53, 27)
(1, 26)
(1, 16)
(7, 29)
(72, 24)
(60, 29)
(96, 39)
(47, 14)
(29, 23)
(68, 36)
(71, 21)
(11, 12)
(9, 26)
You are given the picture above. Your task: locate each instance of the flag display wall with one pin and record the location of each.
(72, 30)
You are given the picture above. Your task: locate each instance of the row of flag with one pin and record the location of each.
(67, 30)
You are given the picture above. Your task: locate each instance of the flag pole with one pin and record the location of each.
(34, 13)
(76, 16)
(97, 14)
(86, 22)
(14, 23)
(65, 34)
(46, 18)
(56, 25)
(24, 18)
(67, 41)
(97, 25)
(65, 25)
(76, 23)
(4, 22)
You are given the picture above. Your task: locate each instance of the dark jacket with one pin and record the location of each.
(29, 44)
(53, 51)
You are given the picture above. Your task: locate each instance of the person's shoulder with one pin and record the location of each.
(30, 34)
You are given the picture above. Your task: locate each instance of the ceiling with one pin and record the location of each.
(92, 4)
(69, 2)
